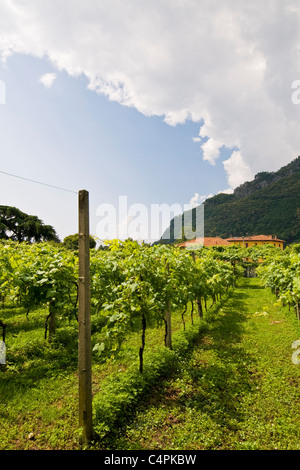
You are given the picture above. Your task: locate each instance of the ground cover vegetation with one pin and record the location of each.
(237, 389)
(135, 290)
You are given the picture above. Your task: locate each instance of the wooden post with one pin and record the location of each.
(167, 319)
(198, 301)
(199, 305)
(84, 320)
(168, 336)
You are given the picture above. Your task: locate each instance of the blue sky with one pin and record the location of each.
(163, 102)
(71, 137)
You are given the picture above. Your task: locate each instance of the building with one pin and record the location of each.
(258, 240)
(204, 241)
(255, 240)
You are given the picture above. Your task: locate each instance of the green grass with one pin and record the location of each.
(39, 386)
(236, 387)
(239, 389)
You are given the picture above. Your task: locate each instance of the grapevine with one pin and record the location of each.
(281, 273)
(133, 286)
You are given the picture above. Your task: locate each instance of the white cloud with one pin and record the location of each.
(197, 199)
(194, 201)
(227, 191)
(229, 64)
(237, 170)
(48, 79)
(211, 150)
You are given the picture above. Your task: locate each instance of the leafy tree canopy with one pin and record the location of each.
(18, 226)
(71, 242)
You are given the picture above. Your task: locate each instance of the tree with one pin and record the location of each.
(18, 226)
(71, 242)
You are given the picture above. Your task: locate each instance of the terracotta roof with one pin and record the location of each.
(256, 238)
(206, 241)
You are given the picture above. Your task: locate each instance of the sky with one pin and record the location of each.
(143, 104)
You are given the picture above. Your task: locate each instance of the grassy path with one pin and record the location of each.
(238, 390)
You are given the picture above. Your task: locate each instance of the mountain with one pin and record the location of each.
(270, 204)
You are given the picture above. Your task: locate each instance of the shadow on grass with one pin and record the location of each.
(17, 321)
(31, 359)
(220, 383)
(216, 373)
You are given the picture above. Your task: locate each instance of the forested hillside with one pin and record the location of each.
(270, 204)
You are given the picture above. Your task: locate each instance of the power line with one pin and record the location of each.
(37, 182)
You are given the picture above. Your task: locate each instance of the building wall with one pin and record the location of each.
(251, 243)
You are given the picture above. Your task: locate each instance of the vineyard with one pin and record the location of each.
(132, 286)
(149, 306)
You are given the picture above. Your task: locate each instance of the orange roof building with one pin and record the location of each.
(256, 240)
(204, 241)
(241, 241)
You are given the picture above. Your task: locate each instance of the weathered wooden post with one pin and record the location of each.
(168, 335)
(84, 320)
(167, 319)
(198, 301)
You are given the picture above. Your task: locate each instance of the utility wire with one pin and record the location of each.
(38, 182)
